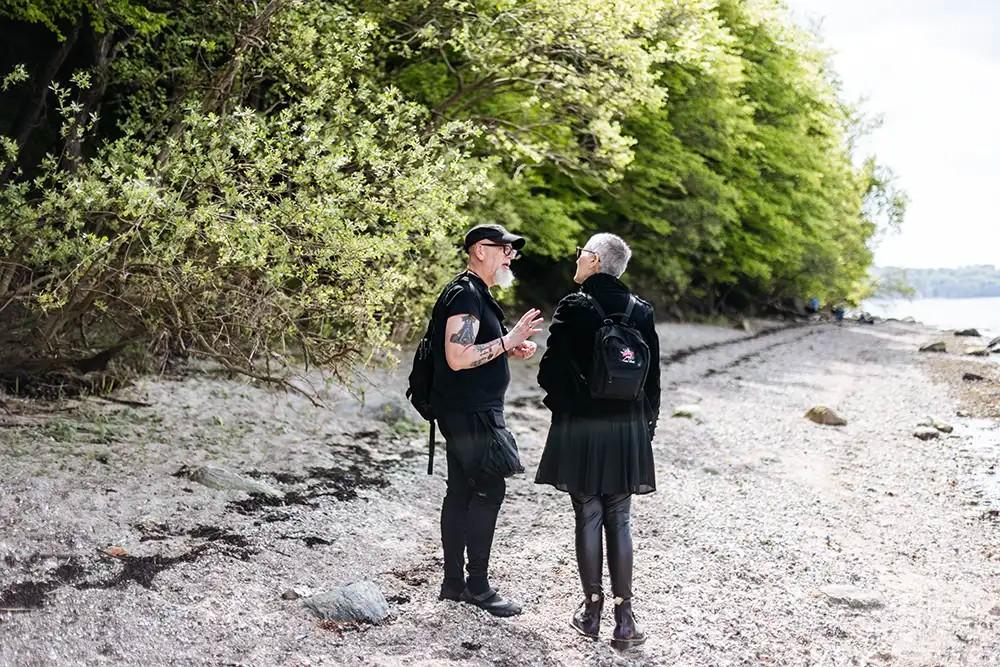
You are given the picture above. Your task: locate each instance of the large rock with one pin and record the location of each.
(978, 352)
(853, 597)
(926, 433)
(225, 480)
(968, 332)
(994, 343)
(938, 346)
(358, 602)
(825, 416)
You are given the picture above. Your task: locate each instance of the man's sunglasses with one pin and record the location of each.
(580, 251)
(508, 250)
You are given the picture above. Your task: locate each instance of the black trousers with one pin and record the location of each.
(610, 513)
(472, 502)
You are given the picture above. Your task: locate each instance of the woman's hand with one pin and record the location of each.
(524, 351)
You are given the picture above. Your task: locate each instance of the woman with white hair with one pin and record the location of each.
(599, 447)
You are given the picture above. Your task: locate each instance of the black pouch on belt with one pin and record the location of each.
(500, 458)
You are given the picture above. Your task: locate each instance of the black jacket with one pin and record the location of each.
(596, 446)
(571, 339)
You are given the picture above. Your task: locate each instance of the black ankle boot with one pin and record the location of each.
(627, 632)
(587, 619)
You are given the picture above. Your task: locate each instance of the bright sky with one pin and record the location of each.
(931, 68)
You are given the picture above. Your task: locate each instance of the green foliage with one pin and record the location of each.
(56, 14)
(263, 182)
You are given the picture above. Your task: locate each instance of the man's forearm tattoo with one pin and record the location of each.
(466, 335)
(487, 352)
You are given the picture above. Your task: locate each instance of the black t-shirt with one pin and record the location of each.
(471, 389)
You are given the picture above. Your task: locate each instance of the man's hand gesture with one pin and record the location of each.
(525, 328)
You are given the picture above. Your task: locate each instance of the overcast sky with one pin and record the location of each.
(931, 69)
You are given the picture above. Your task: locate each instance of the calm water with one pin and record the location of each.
(982, 314)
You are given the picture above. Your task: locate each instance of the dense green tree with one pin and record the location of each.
(264, 182)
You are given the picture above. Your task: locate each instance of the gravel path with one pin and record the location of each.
(758, 512)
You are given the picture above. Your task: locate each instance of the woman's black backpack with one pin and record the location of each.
(621, 357)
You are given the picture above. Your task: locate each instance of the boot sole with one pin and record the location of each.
(625, 644)
(581, 632)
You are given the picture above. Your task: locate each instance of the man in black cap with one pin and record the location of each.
(471, 375)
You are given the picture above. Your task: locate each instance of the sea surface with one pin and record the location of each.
(982, 314)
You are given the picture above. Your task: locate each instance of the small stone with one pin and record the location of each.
(995, 611)
(825, 416)
(290, 594)
(978, 352)
(938, 346)
(972, 377)
(215, 477)
(117, 552)
(853, 597)
(358, 602)
(968, 332)
(926, 433)
(963, 413)
(686, 412)
(941, 426)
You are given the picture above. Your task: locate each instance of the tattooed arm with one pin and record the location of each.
(460, 349)
(460, 331)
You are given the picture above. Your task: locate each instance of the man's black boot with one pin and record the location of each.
(451, 589)
(587, 619)
(492, 601)
(627, 633)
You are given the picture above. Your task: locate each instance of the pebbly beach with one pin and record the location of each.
(202, 519)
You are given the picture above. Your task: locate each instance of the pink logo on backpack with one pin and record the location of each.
(628, 356)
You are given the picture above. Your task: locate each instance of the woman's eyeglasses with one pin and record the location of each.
(580, 251)
(508, 250)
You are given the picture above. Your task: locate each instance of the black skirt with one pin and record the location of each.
(598, 454)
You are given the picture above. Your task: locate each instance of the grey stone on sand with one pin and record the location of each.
(926, 433)
(938, 346)
(853, 597)
(974, 333)
(361, 601)
(944, 427)
(978, 352)
(994, 343)
(215, 477)
(825, 416)
(972, 377)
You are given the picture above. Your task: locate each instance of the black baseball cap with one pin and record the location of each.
(495, 233)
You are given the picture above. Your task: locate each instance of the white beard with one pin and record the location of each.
(503, 277)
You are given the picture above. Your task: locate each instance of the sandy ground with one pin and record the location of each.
(757, 510)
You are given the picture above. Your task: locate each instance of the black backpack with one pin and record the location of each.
(621, 357)
(421, 378)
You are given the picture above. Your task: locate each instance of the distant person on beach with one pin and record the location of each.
(470, 379)
(602, 384)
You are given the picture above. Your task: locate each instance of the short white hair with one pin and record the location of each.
(613, 251)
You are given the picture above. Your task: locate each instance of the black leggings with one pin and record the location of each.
(612, 513)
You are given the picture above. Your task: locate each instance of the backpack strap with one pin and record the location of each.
(626, 316)
(430, 450)
(628, 309)
(596, 305)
